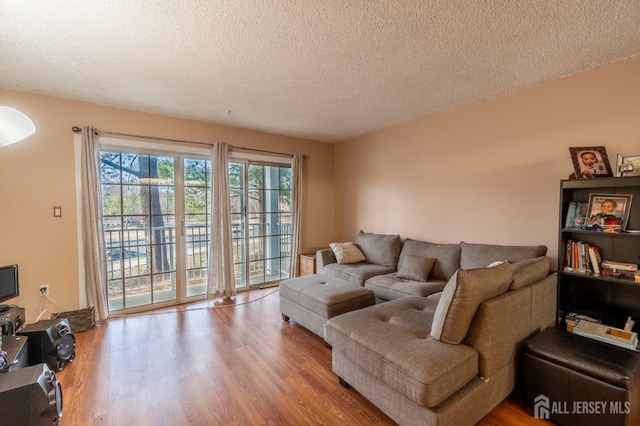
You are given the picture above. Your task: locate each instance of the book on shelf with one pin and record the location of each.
(635, 276)
(619, 266)
(594, 257)
(606, 334)
(581, 257)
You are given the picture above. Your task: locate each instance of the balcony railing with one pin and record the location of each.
(128, 256)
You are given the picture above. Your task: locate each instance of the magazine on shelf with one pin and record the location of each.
(606, 334)
(572, 318)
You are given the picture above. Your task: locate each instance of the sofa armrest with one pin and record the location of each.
(324, 257)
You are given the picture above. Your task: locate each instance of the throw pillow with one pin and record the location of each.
(448, 256)
(347, 252)
(529, 271)
(415, 268)
(462, 295)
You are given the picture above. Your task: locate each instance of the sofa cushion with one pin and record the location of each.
(347, 253)
(389, 287)
(529, 271)
(480, 255)
(356, 273)
(391, 341)
(380, 249)
(415, 268)
(462, 295)
(447, 256)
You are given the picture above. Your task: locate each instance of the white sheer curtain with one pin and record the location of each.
(221, 279)
(92, 229)
(296, 201)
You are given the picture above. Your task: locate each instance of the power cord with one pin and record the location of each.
(43, 298)
(195, 309)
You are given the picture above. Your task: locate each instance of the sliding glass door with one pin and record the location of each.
(261, 222)
(156, 222)
(157, 225)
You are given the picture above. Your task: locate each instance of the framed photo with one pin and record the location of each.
(609, 212)
(628, 166)
(576, 215)
(590, 162)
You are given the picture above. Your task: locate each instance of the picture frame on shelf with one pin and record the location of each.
(628, 166)
(576, 215)
(590, 162)
(609, 212)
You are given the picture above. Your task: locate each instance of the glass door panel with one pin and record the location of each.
(197, 219)
(139, 224)
(261, 206)
(237, 188)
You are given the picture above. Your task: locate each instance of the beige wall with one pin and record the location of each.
(39, 173)
(488, 172)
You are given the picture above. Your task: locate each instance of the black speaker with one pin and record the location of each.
(51, 342)
(30, 396)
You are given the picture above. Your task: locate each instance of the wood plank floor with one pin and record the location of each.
(214, 364)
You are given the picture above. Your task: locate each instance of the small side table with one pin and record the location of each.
(307, 264)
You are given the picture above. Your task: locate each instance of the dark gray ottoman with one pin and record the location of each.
(313, 299)
(573, 380)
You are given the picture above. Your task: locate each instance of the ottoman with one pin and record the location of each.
(574, 380)
(313, 299)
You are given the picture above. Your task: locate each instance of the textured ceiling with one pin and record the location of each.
(320, 69)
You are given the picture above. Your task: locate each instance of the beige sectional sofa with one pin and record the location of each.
(448, 355)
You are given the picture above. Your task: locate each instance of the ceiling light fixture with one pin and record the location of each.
(14, 126)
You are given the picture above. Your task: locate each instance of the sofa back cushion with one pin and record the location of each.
(529, 271)
(481, 255)
(447, 256)
(380, 249)
(462, 295)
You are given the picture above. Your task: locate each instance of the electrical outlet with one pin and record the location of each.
(44, 289)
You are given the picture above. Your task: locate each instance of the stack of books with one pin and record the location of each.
(607, 334)
(620, 269)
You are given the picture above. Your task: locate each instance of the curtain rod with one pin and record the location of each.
(77, 129)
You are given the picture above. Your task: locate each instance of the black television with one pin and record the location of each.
(8, 283)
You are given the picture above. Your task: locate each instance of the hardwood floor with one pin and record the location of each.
(215, 364)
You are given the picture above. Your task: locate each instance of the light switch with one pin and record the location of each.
(57, 211)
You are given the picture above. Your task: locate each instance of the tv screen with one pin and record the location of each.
(8, 282)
